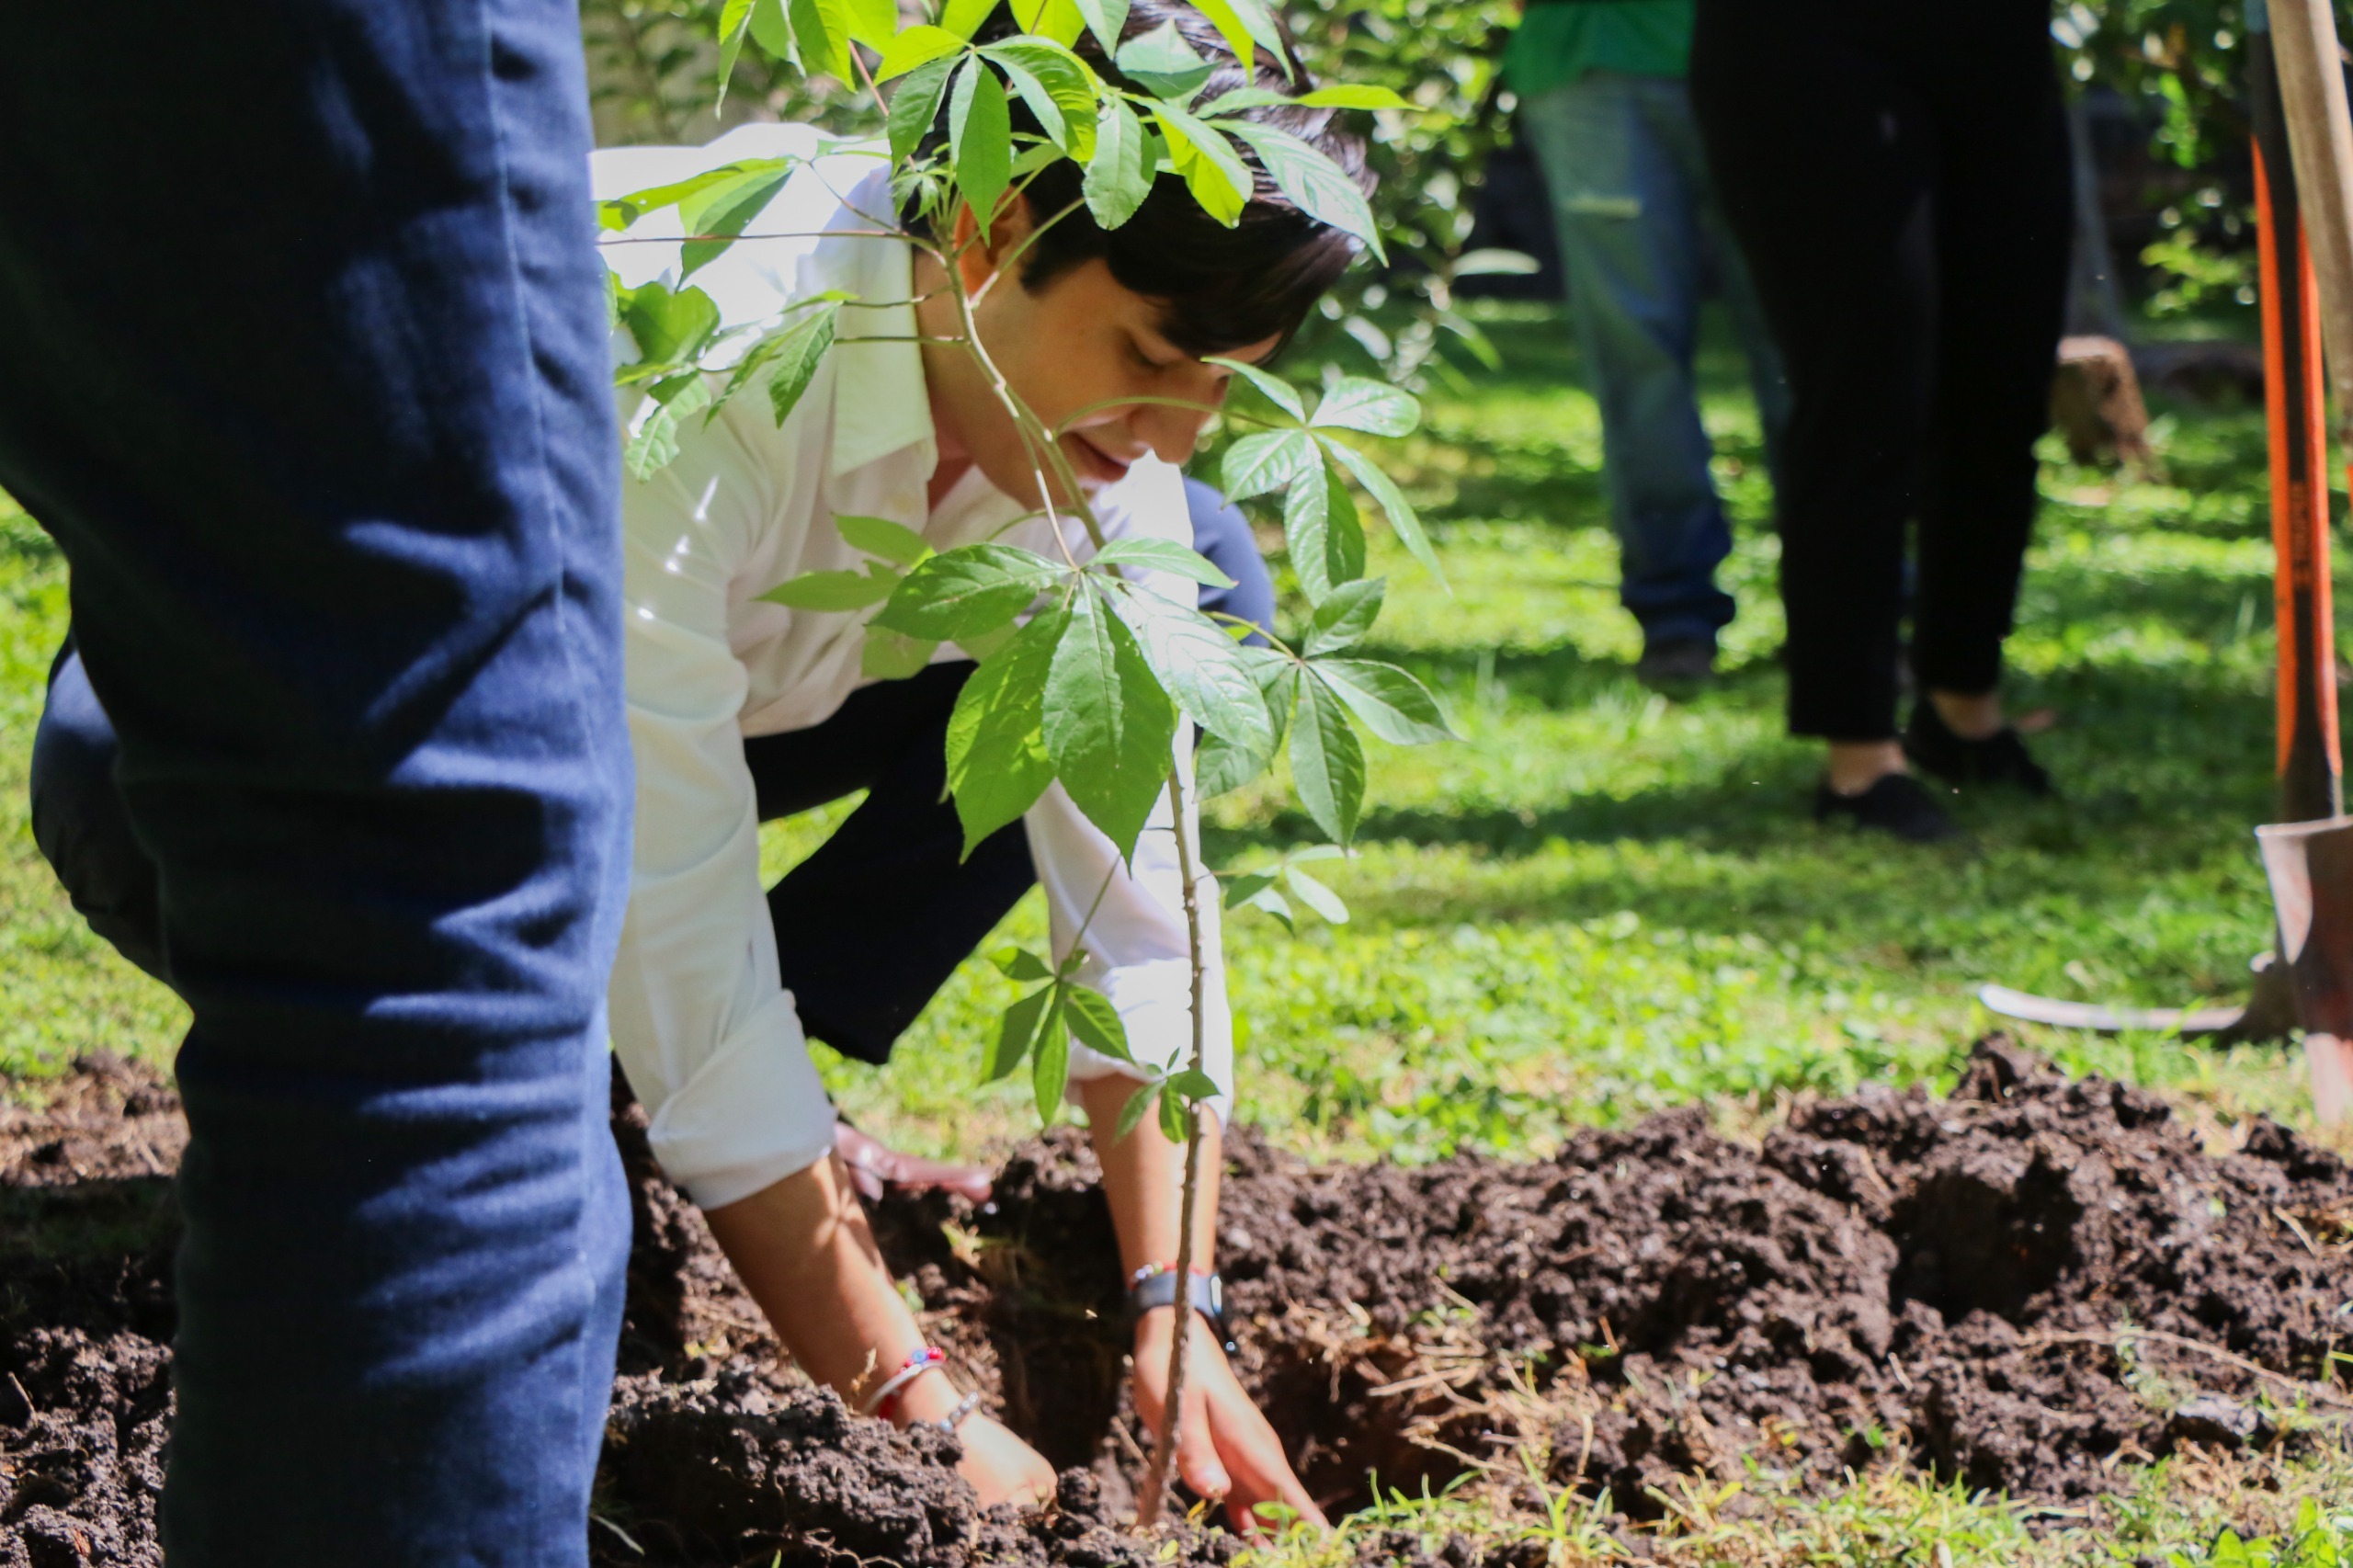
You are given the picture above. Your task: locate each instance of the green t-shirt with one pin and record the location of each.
(1559, 42)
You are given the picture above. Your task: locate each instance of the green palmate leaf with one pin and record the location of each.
(1016, 1033)
(668, 329)
(1377, 409)
(891, 655)
(1107, 19)
(824, 41)
(1393, 501)
(1211, 169)
(1139, 1105)
(1193, 1084)
(969, 590)
(1059, 20)
(1323, 531)
(1020, 963)
(1327, 762)
(1203, 668)
(1057, 86)
(797, 357)
(1344, 617)
(1316, 896)
(1097, 1023)
(919, 45)
(770, 30)
(1175, 1117)
(734, 21)
(1221, 766)
(1241, 890)
(655, 445)
(1108, 725)
(915, 106)
(1353, 96)
(870, 22)
(1049, 1063)
(1260, 894)
(1225, 765)
(1163, 63)
(1118, 177)
(832, 590)
(1279, 392)
(1247, 26)
(722, 210)
(1164, 555)
(1321, 188)
(1393, 704)
(980, 135)
(781, 343)
(963, 17)
(997, 765)
(880, 536)
(1267, 461)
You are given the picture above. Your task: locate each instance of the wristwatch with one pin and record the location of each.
(1155, 1286)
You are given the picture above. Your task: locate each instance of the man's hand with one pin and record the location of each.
(1001, 1467)
(1224, 1450)
(874, 1165)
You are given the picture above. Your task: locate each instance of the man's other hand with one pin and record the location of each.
(874, 1165)
(1225, 1450)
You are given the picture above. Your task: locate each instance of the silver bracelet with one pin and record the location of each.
(955, 1418)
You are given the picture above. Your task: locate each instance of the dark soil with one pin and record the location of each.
(2018, 1287)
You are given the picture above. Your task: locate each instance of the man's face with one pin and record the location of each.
(1087, 356)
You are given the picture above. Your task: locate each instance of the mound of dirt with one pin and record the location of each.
(2020, 1287)
(2015, 1287)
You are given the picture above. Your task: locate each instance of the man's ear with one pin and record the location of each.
(979, 258)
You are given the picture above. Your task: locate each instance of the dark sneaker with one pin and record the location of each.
(1677, 667)
(1898, 804)
(2000, 759)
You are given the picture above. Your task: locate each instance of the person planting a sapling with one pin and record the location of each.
(752, 693)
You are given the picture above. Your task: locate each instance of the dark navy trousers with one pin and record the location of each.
(304, 363)
(861, 970)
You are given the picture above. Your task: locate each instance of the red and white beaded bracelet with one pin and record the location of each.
(884, 1400)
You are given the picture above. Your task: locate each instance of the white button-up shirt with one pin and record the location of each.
(700, 1018)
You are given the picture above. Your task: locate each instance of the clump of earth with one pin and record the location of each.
(2030, 1286)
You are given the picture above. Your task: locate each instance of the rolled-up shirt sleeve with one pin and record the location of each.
(700, 1020)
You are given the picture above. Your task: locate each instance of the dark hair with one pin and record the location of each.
(1221, 289)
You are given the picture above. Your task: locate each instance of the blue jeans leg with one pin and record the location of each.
(311, 384)
(1628, 191)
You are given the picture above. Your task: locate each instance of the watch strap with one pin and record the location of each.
(1207, 1296)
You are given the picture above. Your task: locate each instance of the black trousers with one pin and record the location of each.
(1897, 175)
(867, 929)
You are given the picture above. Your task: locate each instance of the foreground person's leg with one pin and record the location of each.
(304, 365)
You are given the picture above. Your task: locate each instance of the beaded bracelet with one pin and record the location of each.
(917, 1363)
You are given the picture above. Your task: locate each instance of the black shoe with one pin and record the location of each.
(2000, 759)
(1898, 804)
(1677, 667)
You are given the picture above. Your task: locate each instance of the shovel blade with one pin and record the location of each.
(2310, 866)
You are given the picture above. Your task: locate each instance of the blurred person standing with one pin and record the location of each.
(1899, 180)
(304, 363)
(1603, 104)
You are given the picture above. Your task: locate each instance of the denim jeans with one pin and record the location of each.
(304, 363)
(1643, 241)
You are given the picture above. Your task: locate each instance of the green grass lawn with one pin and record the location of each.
(1599, 902)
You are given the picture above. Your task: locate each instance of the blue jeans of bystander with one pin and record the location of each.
(304, 362)
(1643, 241)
